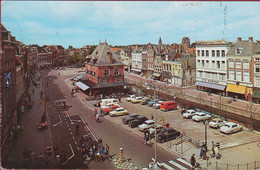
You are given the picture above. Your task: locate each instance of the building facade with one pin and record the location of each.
(137, 61)
(211, 67)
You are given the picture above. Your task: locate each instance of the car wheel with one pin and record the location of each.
(241, 129)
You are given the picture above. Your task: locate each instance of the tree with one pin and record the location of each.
(72, 59)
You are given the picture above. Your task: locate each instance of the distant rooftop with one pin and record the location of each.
(213, 42)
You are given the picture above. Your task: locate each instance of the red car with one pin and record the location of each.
(109, 109)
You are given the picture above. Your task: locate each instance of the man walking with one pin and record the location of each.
(97, 118)
(193, 161)
(77, 129)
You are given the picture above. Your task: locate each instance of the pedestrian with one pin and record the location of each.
(95, 111)
(146, 137)
(55, 150)
(77, 129)
(101, 112)
(97, 117)
(106, 151)
(32, 91)
(162, 120)
(201, 152)
(151, 116)
(41, 93)
(119, 98)
(212, 153)
(193, 161)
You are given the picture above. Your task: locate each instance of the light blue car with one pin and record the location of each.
(150, 104)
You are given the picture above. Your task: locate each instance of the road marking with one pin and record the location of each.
(176, 164)
(73, 154)
(58, 122)
(184, 162)
(167, 166)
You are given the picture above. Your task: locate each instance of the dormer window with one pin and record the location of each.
(239, 51)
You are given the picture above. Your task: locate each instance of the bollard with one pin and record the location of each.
(121, 155)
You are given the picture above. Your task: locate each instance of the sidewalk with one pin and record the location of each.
(32, 139)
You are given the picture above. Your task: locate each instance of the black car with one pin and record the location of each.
(167, 134)
(129, 118)
(137, 121)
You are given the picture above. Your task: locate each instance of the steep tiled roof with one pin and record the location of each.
(248, 48)
(101, 56)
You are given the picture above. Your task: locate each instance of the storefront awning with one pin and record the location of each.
(134, 69)
(210, 85)
(82, 85)
(236, 89)
(256, 94)
(156, 74)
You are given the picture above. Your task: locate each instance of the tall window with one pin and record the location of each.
(198, 52)
(202, 53)
(106, 73)
(257, 81)
(238, 76)
(207, 63)
(257, 68)
(246, 76)
(238, 64)
(116, 71)
(222, 77)
(213, 64)
(231, 74)
(238, 51)
(207, 53)
(198, 63)
(230, 63)
(223, 53)
(213, 53)
(246, 65)
(218, 64)
(218, 53)
(203, 63)
(223, 64)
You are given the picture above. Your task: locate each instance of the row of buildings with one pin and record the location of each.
(229, 68)
(19, 62)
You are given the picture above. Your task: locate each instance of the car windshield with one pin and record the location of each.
(227, 126)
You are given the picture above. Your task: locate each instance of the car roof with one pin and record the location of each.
(217, 119)
(139, 97)
(133, 114)
(119, 108)
(191, 110)
(140, 116)
(230, 123)
(169, 102)
(149, 121)
(201, 113)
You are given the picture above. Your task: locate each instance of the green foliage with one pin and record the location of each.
(72, 59)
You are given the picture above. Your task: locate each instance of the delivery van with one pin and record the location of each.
(169, 105)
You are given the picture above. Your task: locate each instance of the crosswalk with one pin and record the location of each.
(175, 164)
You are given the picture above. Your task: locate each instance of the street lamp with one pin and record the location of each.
(206, 124)
(150, 84)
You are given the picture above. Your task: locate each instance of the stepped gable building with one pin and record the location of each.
(243, 70)
(104, 72)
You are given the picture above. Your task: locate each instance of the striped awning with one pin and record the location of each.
(82, 85)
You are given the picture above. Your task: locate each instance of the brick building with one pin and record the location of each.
(104, 72)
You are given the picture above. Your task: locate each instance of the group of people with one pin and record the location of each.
(94, 151)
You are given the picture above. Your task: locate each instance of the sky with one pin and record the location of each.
(79, 23)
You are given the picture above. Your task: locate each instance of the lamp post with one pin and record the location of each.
(206, 124)
(149, 84)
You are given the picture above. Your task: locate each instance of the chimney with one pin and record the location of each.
(239, 39)
(250, 38)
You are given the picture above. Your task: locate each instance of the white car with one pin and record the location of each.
(217, 123)
(137, 99)
(108, 105)
(130, 98)
(118, 112)
(189, 114)
(230, 127)
(146, 125)
(157, 105)
(200, 117)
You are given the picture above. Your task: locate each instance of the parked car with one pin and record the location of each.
(137, 121)
(230, 127)
(109, 109)
(72, 78)
(129, 118)
(137, 100)
(109, 104)
(118, 112)
(200, 117)
(157, 105)
(146, 125)
(217, 123)
(104, 102)
(145, 101)
(167, 134)
(189, 114)
(150, 104)
(159, 128)
(130, 98)
(168, 105)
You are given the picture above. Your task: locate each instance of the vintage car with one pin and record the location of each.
(127, 119)
(157, 105)
(146, 125)
(151, 103)
(189, 114)
(130, 98)
(110, 108)
(231, 127)
(118, 112)
(137, 121)
(145, 101)
(159, 128)
(217, 123)
(167, 134)
(137, 100)
(200, 117)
